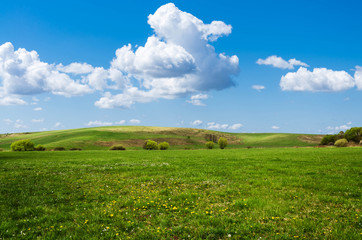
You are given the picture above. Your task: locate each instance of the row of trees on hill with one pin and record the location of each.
(353, 135)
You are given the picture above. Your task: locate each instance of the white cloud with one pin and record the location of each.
(349, 123)
(213, 125)
(134, 121)
(176, 61)
(58, 125)
(19, 124)
(99, 123)
(279, 62)
(258, 87)
(235, 126)
(120, 122)
(358, 77)
(275, 127)
(38, 109)
(23, 73)
(196, 123)
(37, 120)
(320, 80)
(75, 68)
(11, 100)
(196, 99)
(338, 128)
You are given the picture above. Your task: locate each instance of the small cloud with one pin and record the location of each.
(347, 99)
(35, 99)
(258, 87)
(120, 122)
(98, 123)
(38, 109)
(134, 121)
(11, 100)
(235, 126)
(196, 123)
(279, 62)
(339, 128)
(37, 120)
(58, 125)
(213, 125)
(8, 121)
(19, 124)
(196, 99)
(275, 127)
(349, 123)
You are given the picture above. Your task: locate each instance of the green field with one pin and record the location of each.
(101, 138)
(269, 193)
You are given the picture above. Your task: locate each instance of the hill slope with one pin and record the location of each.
(133, 137)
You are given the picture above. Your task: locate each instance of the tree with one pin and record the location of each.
(210, 145)
(354, 134)
(150, 145)
(22, 145)
(163, 146)
(223, 142)
(328, 139)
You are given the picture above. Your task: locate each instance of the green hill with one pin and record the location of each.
(133, 137)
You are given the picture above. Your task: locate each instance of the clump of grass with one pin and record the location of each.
(117, 147)
(39, 147)
(75, 149)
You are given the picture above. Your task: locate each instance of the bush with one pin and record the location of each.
(22, 145)
(39, 147)
(210, 145)
(75, 149)
(354, 134)
(223, 142)
(150, 145)
(341, 143)
(1, 149)
(59, 149)
(328, 140)
(163, 146)
(117, 147)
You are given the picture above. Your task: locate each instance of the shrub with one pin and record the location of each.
(150, 145)
(328, 140)
(341, 143)
(210, 145)
(22, 145)
(1, 149)
(59, 149)
(39, 147)
(163, 146)
(354, 134)
(117, 147)
(75, 149)
(223, 142)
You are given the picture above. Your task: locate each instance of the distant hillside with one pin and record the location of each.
(133, 137)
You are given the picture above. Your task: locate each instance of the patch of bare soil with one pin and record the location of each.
(316, 139)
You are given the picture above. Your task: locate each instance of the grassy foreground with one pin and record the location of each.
(307, 193)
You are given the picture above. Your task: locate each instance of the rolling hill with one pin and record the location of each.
(133, 137)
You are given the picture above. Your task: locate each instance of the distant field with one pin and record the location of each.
(101, 138)
(269, 193)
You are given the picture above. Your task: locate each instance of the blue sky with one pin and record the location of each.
(285, 66)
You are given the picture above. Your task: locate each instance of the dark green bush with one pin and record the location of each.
(223, 142)
(39, 147)
(59, 149)
(75, 149)
(117, 147)
(209, 145)
(163, 146)
(150, 145)
(354, 134)
(328, 140)
(341, 143)
(22, 145)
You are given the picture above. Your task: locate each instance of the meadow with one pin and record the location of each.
(269, 193)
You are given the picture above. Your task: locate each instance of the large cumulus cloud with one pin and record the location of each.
(178, 60)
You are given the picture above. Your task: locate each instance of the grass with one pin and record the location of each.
(133, 137)
(285, 193)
